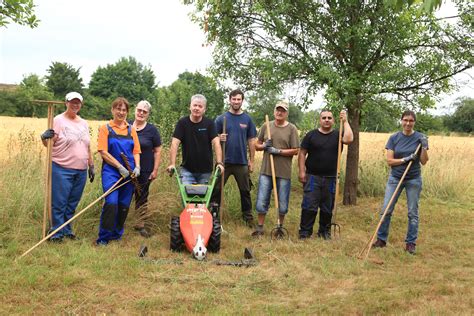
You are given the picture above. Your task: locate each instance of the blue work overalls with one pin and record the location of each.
(115, 209)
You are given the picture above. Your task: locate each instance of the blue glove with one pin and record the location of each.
(424, 142)
(91, 172)
(273, 150)
(412, 157)
(136, 172)
(123, 171)
(49, 133)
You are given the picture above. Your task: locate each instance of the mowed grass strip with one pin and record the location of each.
(303, 277)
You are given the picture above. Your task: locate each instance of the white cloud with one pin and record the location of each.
(89, 34)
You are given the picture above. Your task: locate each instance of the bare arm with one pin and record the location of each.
(251, 142)
(259, 146)
(110, 159)
(424, 156)
(392, 161)
(90, 160)
(136, 157)
(173, 152)
(217, 149)
(348, 134)
(157, 158)
(301, 165)
(289, 152)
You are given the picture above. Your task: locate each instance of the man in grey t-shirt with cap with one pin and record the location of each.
(283, 145)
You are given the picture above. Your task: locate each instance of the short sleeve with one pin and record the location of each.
(136, 142)
(102, 142)
(390, 143)
(294, 139)
(212, 130)
(305, 143)
(219, 123)
(252, 130)
(179, 131)
(156, 138)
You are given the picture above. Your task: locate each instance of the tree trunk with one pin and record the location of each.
(352, 166)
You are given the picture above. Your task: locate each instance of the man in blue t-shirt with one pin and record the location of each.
(239, 134)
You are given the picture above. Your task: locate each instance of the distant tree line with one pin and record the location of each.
(131, 79)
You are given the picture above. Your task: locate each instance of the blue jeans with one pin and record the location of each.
(265, 187)
(67, 186)
(188, 177)
(413, 190)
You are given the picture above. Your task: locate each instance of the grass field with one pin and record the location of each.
(309, 277)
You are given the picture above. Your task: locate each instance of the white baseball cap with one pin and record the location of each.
(73, 95)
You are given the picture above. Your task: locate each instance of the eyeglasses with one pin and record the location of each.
(142, 111)
(326, 117)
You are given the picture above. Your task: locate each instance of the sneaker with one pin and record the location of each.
(72, 237)
(304, 237)
(102, 243)
(326, 235)
(379, 243)
(411, 248)
(57, 240)
(257, 234)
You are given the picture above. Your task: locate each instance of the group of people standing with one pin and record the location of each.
(134, 148)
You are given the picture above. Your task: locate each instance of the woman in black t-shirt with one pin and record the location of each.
(150, 143)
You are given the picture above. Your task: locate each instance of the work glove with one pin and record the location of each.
(123, 171)
(273, 150)
(412, 157)
(49, 133)
(424, 142)
(91, 172)
(268, 143)
(136, 172)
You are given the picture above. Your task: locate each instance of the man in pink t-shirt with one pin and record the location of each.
(71, 159)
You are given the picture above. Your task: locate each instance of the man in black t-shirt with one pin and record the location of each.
(317, 162)
(198, 135)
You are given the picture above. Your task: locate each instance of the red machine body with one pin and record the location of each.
(195, 220)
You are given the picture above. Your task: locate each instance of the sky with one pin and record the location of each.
(93, 33)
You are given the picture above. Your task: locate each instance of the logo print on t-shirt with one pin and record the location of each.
(202, 129)
(243, 125)
(72, 136)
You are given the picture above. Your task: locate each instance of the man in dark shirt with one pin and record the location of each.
(317, 162)
(197, 134)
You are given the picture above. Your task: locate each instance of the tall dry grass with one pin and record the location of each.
(310, 277)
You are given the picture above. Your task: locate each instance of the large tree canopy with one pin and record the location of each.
(63, 78)
(127, 78)
(177, 96)
(19, 12)
(357, 50)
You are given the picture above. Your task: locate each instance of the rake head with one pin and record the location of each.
(279, 233)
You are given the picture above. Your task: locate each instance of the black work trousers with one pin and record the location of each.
(318, 194)
(141, 200)
(241, 175)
